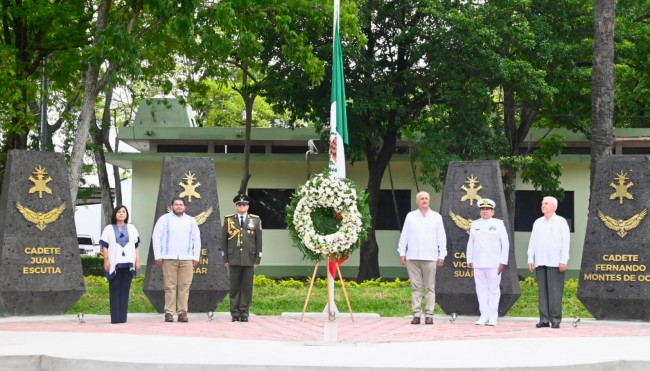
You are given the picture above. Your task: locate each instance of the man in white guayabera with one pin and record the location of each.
(176, 247)
(548, 255)
(422, 248)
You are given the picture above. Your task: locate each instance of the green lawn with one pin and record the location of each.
(388, 299)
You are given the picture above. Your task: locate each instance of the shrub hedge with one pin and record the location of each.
(92, 266)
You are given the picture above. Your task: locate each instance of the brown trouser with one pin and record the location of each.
(177, 278)
(422, 274)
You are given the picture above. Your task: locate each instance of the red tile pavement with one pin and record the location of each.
(370, 330)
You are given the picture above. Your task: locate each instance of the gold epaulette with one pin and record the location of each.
(253, 216)
(228, 216)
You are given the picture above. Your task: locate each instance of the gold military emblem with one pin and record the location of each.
(201, 218)
(472, 190)
(190, 187)
(40, 183)
(462, 223)
(621, 227)
(40, 219)
(621, 188)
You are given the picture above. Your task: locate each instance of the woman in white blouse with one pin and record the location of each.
(119, 243)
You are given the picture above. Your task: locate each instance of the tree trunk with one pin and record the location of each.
(602, 83)
(509, 119)
(249, 100)
(52, 129)
(91, 91)
(377, 164)
(86, 116)
(102, 175)
(369, 254)
(509, 182)
(100, 134)
(117, 181)
(516, 132)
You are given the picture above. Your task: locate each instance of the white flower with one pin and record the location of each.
(333, 193)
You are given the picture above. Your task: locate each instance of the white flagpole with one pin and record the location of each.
(331, 308)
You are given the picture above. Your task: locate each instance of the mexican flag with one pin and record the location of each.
(338, 117)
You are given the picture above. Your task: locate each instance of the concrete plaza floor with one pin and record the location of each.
(285, 342)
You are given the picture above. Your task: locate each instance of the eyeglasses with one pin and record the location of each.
(241, 204)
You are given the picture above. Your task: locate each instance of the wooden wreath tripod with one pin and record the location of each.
(329, 299)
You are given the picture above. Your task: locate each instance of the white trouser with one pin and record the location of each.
(488, 292)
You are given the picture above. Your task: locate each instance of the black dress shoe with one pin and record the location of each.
(235, 319)
(243, 319)
(555, 325)
(542, 324)
(428, 321)
(415, 321)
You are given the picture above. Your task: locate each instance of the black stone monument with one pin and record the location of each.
(466, 183)
(194, 180)
(40, 267)
(614, 274)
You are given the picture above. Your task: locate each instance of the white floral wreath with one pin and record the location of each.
(328, 192)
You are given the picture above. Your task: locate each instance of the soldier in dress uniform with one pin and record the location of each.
(242, 252)
(487, 256)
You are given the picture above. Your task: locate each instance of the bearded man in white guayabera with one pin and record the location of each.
(176, 240)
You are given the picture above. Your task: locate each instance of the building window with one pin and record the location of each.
(174, 148)
(289, 149)
(387, 219)
(235, 148)
(270, 206)
(528, 209)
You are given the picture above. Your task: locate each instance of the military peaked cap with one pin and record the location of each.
(241, 198)
(485, 203)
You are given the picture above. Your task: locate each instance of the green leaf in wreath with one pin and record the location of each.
(324, 221)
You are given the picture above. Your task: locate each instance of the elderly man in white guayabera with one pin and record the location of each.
(548, 255)
(422, 248)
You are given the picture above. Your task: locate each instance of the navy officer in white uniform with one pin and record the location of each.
(487, 255)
